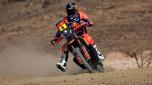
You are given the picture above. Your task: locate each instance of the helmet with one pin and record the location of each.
(71, 8)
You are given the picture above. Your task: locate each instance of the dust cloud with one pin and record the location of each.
(26, 60)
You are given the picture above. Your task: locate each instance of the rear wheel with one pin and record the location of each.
(86, 64)
(100, 67)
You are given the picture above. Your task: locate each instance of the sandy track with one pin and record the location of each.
(132, 77)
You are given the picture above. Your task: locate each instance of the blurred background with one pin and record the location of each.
(122, 31)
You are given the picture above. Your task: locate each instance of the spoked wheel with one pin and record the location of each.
(100, 67)
(97, 64)
(86, 64)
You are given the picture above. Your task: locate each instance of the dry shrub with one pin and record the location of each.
(143, 58)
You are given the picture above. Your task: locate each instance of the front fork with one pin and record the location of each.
(84, 51)
(86, 54)
(76, 56)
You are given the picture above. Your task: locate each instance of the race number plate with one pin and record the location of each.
(61, 26)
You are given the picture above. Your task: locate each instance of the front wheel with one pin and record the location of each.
(87, 66)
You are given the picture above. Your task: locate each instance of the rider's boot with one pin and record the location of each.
(100, 56)
(62, 64)
(101, 59)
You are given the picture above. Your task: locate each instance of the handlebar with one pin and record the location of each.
(79, 26)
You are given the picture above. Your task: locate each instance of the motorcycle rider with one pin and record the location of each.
(73, 14)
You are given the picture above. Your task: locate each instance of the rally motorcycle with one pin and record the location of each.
(85, 56)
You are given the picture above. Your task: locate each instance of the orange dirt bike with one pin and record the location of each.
(85, 55)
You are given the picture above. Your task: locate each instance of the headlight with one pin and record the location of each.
(68, 33)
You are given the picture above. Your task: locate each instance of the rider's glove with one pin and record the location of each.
(54, 42)
(83, 23)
